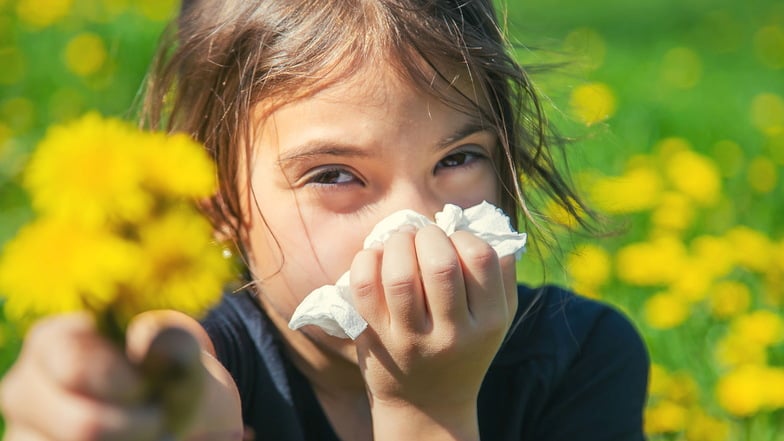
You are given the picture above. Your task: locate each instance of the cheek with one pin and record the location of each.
(297, 250)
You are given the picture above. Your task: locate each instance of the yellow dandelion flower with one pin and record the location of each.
(752, 249)
(157, 10)
(683, 389)
(589, 265)
(177, 166)
(665, 310)
(669, 146)
(183, 268)
(42, 13)
(716, 254)
(694, 175)
(681, 68)
(657, 262)
(675, 212)
(52, 267)
(761, 327)
(762, 175)
(775, 381)
(693, 280)
(734, 350)
(665, 417)
(767, 113)
(703, 427)
(769, 46)
(593, 103)
(743, 391)
(728, 299)
(637, 190)
(85, 54)
(84, 171)
(658, 380)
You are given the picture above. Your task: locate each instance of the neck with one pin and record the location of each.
(327, 362)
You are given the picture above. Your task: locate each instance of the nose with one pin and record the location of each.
(411, 196)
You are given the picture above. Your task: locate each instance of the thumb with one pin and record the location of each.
(172, 366)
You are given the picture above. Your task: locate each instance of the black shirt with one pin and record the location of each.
(573, 369)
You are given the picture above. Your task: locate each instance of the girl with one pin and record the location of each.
(324, 117)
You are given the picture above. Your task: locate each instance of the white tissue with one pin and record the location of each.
(330, 306)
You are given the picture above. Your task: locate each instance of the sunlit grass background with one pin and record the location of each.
(677, 108)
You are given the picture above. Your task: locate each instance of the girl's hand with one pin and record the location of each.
(69, 383)
(438, 309)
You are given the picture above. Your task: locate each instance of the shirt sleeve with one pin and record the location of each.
(602, 393)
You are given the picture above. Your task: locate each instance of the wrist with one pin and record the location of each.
(401, 420)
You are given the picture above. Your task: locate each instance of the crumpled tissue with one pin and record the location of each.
(331, 307)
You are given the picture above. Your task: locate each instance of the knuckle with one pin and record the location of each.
(479, 253)
(440, 268)
(400, 284)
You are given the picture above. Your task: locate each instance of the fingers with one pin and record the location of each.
(402, 284)
(173, 369)
(442, 276)
(486, 294)
(52, 393)
(59, 348)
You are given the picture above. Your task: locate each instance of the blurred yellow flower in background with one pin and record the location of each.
(675, 212)
(665, 310)
(656, 262)
(734, 350)
(665, 417)
(750, 389)
(636, 190)
(157, 10)
(592, 103)
(85, 54)
(762, 175)
(703, 427)
(759, 327)
(715, 252)
(767, 113)
(729, 298)
(694, 175)
(751, 249)
(42, 13)
(769, 46)
(681, 68)
(589, 268)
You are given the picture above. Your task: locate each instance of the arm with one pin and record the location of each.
(69, 383)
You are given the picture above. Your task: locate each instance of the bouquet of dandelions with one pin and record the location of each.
(117, 230)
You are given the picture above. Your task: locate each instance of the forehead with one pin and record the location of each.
(377, 81)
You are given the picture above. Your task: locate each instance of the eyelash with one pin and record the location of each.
(326, 176)
(469, 157)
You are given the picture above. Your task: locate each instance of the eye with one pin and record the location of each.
(332, 176)
(459, 159)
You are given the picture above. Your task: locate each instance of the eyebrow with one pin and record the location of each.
(318, 148)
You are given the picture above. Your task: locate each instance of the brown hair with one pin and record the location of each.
(220, 59)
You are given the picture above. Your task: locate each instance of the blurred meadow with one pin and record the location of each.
(677, 111)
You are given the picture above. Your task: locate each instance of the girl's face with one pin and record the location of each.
(328, 167)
